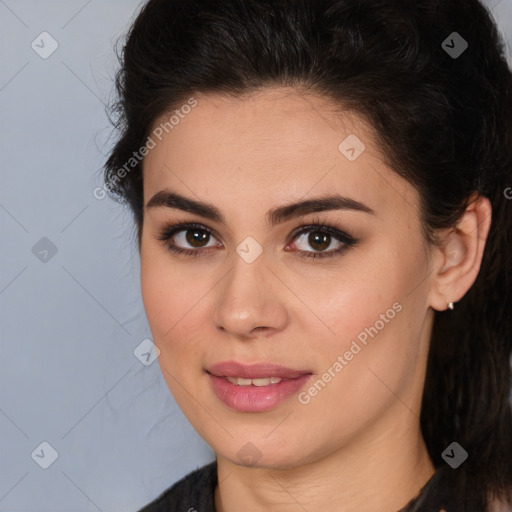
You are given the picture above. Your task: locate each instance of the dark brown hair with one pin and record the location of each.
(443, 121)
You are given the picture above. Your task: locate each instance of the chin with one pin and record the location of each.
(257, 454)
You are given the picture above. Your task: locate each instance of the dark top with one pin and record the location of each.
(195, 493)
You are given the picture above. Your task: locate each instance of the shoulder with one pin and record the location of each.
(193, 493)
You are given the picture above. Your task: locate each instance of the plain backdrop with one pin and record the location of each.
(85, 425)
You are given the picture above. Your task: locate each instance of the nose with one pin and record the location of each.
(250, 300)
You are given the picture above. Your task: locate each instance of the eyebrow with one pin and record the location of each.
(168, 199)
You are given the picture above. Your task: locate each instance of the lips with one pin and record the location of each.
(254, 371)
(256, 387)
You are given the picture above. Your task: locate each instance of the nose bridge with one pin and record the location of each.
(247, 298)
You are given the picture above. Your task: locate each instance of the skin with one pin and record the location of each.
(357, 443)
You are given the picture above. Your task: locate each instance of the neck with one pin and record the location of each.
(379, 471)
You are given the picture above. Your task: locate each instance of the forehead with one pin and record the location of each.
(275, 143)
(271, 119)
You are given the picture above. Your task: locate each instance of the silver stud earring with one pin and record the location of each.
(450, 306)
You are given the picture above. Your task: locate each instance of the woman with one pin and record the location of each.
(321, 192)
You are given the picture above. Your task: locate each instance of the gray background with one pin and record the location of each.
(70, 321)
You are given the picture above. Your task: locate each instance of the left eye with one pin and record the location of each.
(317, 239)
(320, 237)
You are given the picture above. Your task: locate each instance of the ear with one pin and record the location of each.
(458, 258)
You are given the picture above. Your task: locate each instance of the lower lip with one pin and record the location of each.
(256, 398)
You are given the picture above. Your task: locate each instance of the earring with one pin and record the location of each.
(451, 306)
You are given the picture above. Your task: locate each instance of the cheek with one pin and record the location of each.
(159, 301)
(166, 302)
(174, 301)
(374, 320)
(166, 294)
(366, 292)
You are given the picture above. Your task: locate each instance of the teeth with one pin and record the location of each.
(239, 381)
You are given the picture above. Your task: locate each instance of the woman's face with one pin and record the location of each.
(353, 325)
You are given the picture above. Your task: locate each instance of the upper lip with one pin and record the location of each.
(254, 371)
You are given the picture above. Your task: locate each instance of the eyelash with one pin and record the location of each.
(316, 226)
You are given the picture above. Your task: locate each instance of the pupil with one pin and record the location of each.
(191, 236)
(319, 239)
